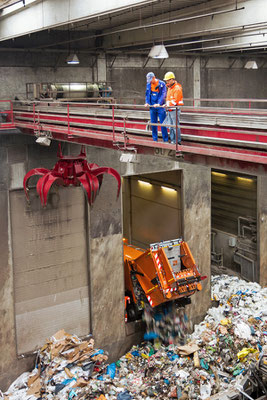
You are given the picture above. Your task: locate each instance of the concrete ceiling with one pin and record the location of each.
(6, 3)
(196, 27)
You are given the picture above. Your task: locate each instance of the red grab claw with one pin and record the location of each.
(73, 171)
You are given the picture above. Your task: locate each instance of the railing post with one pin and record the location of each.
(176, 136)
(34, 113)
(113, 123)
(12, 114)
(68, 117)
(124, 132)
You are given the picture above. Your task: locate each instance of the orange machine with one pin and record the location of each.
(166, 271)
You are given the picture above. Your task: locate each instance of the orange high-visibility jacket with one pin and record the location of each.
(175, 95)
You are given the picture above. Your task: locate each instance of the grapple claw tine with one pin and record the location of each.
(47, 183)
(85, 182)
(111, 171)
(32, 172)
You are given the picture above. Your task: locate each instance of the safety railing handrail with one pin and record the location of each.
(195, 104)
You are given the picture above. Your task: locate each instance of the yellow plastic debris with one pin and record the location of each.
(144, 355)
(245, 352)
(225, 321)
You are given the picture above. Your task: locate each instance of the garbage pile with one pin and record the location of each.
(213, 359)
(63, 365)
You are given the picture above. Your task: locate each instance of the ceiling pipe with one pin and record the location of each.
(142, 27)
(230, 36)
(205, 32)
(248, 44)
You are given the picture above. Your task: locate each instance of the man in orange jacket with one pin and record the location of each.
(174, 98)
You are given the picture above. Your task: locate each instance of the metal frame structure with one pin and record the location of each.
(228, 132)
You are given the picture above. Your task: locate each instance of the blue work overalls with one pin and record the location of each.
(157, 97)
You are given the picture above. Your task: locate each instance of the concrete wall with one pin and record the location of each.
(262, 229)
(234, 84)
(13, 151)
(104, 244)
(13, 79)
(220, 77)
(197, 227)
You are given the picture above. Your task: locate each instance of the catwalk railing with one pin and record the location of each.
(230, 131)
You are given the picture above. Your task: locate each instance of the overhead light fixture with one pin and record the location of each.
(144, 183)
(218, 173)
(158, 51)
(251, 65)
(43, 140)
(128, 157)
(72, 59)
(244, 179)
(168, 189)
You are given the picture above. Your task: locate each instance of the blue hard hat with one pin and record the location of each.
(149, 77)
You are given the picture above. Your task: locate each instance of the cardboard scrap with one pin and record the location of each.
(188, 349)
(35, 388)
(69, 374)
(32, 378)
(81, 383)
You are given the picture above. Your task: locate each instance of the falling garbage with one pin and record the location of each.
(226, 353)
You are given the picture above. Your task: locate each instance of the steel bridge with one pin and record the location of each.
(211, 128)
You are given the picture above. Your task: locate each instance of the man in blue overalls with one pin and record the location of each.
(155, 96)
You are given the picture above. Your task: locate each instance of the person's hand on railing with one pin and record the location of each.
(156, 105)
(146, 105)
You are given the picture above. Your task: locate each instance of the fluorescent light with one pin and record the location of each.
(244, 179)
(43, 140)
(218, 173)
(168, 188)
(251, 65)
(72, 59)
(158, 51)
(144, 183)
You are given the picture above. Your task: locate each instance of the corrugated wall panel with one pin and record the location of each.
(232, 195)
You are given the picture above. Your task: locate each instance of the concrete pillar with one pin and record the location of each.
(101, 68)
(196, 81)
(262, 229)
(196, 187)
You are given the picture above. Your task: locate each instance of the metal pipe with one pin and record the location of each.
(230, 36)
(248, 44)
(141, 27)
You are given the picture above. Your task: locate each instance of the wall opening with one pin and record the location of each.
(152, 207)
(234, 222)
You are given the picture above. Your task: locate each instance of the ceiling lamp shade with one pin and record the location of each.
(72, 59)
(158, 51)
(251, 65)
